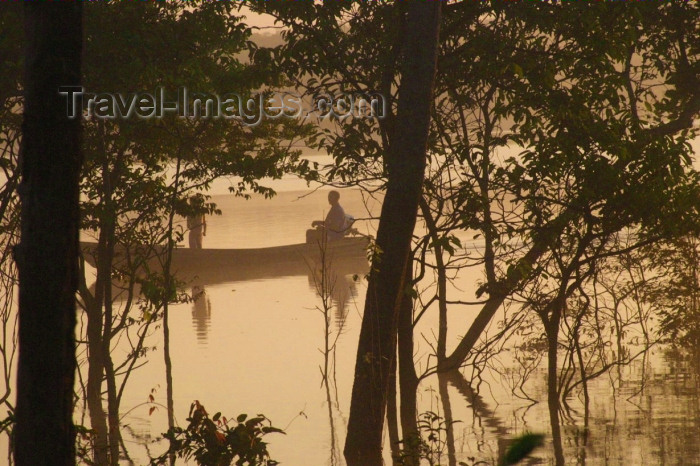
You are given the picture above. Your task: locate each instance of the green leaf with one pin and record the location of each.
(521, 447)
(518, 70)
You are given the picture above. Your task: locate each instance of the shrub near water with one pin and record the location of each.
(213, 442)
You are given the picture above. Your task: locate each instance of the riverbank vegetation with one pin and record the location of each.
(547, 146)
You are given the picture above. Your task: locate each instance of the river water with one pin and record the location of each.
(255, 346)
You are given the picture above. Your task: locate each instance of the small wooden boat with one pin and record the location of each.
(210, 266)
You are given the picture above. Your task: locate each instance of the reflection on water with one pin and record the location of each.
(343, 274)
(342, 288)
(252, 342)
(201, 313)
(647, 413)
(342, 271)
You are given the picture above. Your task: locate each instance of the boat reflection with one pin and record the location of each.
(215, 266)
(344, 262)
(342, 288)
(201, 313)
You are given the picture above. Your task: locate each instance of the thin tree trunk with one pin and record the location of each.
(552, 330)
(112, 411)
(168, 292)
(505, 287)
(405, 171)
(551, 317)
(107, 229)
(408, 380)
(47, 257)
(441, 280)
(334, 453)
(98, 419)
(168, 368)
(392, 417)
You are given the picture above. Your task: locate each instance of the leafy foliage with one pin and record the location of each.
(362, 61)
(521, 447)
(213, 442)
(675, 295)
(139, 173)
(431, 442)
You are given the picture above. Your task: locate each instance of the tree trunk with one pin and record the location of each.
(392, 418)
(441, 281)
(47, 257)
(112, 409)
(405, 171)
(98, 419)
(408, 381)
(169, 284)
(552, 330)
(108, 224)
(503, 290)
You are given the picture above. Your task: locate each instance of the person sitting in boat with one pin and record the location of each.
(336, 225)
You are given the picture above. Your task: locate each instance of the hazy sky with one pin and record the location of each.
(255, 19)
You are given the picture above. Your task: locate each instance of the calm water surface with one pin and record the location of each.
(254, 346)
